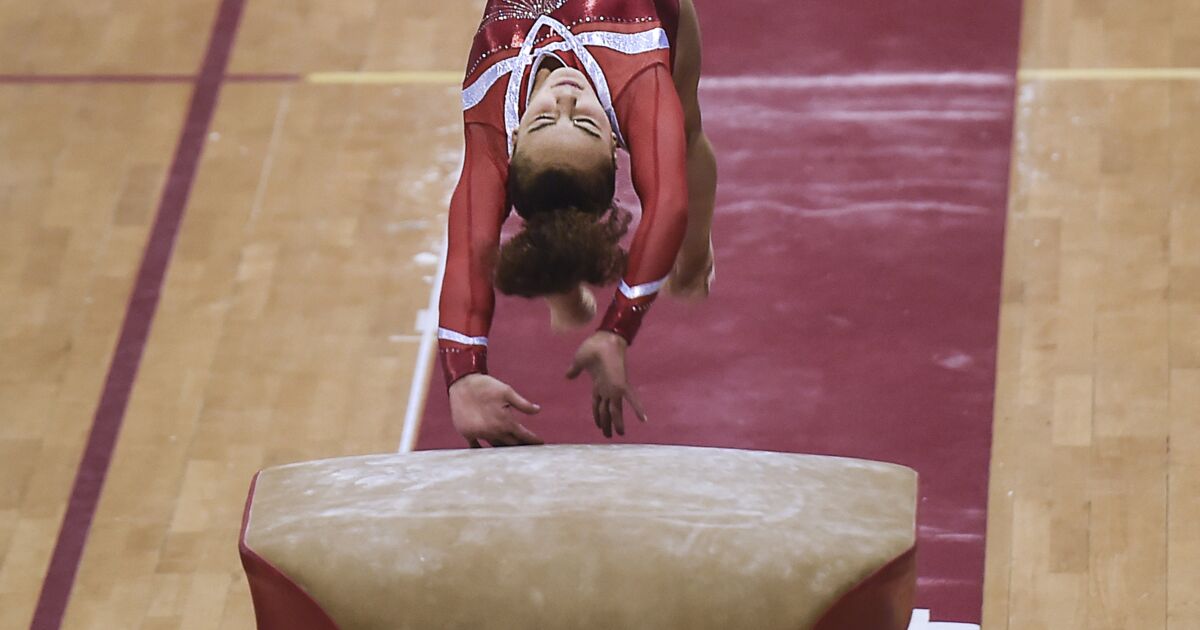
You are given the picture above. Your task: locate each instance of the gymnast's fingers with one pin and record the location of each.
(636, 404)
(524, 436)
(575, 370)
(616, 408)
(605, 418)
(473, 442)
(500, 439)
(596, 412)
(518, 402)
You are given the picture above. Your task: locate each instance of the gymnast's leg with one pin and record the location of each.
(693, 270)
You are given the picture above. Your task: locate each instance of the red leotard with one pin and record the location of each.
(624, 47)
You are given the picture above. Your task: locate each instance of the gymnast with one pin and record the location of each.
(552, 89)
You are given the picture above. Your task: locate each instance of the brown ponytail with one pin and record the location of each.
(558, 250)
(571, 235)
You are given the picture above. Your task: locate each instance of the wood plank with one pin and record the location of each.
(365, 35)
(1100, 273)
(296, 267)
(71, 236)
(116, 36)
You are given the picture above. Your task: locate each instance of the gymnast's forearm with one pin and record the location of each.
(467, 297)
(702, 191)
(461, 353)
(658, 157)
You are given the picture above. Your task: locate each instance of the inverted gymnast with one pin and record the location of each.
(553, 88)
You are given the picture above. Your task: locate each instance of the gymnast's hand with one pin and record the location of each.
(603, 356)
(480, 407)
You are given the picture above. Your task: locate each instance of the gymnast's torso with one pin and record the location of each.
(611, 41)
(624, 48)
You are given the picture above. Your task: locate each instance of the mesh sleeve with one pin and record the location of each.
(476, 213)
(652, 121)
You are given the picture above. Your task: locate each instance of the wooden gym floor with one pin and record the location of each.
(310, 209)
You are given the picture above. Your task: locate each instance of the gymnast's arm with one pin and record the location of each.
(653, 123)
(479, 404)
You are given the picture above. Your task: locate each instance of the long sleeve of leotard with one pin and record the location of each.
(652, 121)
(476, 213)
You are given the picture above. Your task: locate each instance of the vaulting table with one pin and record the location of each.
(582, 538)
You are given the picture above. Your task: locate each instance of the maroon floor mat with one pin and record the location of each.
(864, 153)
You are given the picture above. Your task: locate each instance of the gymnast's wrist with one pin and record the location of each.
(463, 383)
(608, 336)
(459, 362)
(624, 318)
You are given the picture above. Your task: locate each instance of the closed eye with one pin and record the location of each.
(589, 126)
(586, 125)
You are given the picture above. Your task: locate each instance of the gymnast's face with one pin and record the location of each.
(565, 124)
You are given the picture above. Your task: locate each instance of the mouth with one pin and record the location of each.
(569, 82)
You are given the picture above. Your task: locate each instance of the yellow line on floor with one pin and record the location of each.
(1109, 74)
(448, 77)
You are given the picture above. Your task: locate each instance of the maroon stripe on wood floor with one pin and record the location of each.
(143, 301)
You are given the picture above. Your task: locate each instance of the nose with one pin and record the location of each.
(567, 103)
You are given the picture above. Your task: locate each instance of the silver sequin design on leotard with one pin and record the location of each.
(501, 10)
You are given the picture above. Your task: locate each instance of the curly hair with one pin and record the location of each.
(572, 230)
